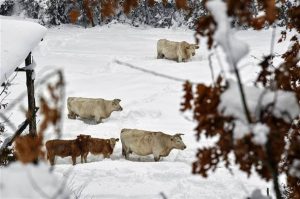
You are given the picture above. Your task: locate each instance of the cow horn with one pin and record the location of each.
(179, 134)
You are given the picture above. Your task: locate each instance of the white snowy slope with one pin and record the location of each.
(31, 181)
(18, 39)
(149, 102)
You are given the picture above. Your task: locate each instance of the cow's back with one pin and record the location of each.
(86, 107)
(62, 148)
(169, 49)
(138, 141)
(97, 145)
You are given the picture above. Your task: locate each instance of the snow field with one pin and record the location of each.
(149, 102)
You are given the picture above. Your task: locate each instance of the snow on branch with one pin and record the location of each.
(286, 102)
(234, 48)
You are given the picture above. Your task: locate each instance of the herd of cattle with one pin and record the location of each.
(136, 141)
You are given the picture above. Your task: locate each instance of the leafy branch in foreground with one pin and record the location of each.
(258, 125)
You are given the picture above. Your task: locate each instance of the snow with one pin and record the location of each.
(260, 132)
(234, 48)
(256, 194)
(18, 39)
(30, 181)
(295, 170)
(149, 102)
(241, 129)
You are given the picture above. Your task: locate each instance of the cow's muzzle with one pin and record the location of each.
(193, 54)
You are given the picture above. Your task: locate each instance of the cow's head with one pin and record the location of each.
(113, 141)
(194, 47)
(116, 105)
(177, 142)
(83, 137)
(190, 49)
(83, 140)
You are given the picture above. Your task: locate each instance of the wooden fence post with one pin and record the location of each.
(30, 93)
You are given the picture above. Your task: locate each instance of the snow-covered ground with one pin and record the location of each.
(149, 102)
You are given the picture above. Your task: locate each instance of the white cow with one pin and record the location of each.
(143, 143)
(178, 51)
(92, 108)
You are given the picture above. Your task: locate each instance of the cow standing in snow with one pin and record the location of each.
(64, 148)
(92, 108)
(144, 143)
(178, 51)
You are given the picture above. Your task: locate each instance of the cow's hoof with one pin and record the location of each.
(71, 116)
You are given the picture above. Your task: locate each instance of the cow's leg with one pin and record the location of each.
(71, 115)
(74, 160)
(123, 151)
(160, 55)
(156, 154)
(81, 158)
(98, 120)
(179, 59)
(156, 158)
(85, 158)
(51, 159)
(127, 152)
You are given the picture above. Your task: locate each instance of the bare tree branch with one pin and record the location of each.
(211, 67)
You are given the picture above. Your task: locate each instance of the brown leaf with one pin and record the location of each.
(128, 5)
(181, 4)
(73, 15)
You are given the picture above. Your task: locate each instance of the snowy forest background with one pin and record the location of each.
(242, 98)
(163, 13)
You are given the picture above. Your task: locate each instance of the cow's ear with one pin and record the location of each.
(196, 46)
(117, 100)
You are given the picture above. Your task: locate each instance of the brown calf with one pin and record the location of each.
(64, 148)
(99, 146)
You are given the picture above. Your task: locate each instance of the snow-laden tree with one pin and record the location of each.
(6, 7)
(257, 124)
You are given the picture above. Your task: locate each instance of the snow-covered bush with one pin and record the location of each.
(92, 12)
(6, 7)
(48, 12)
(33, 8)
(55, 12)
(31, 181)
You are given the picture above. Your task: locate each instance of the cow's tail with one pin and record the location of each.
(123, 130)
(69, 100)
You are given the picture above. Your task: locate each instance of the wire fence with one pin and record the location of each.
(153, 72)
